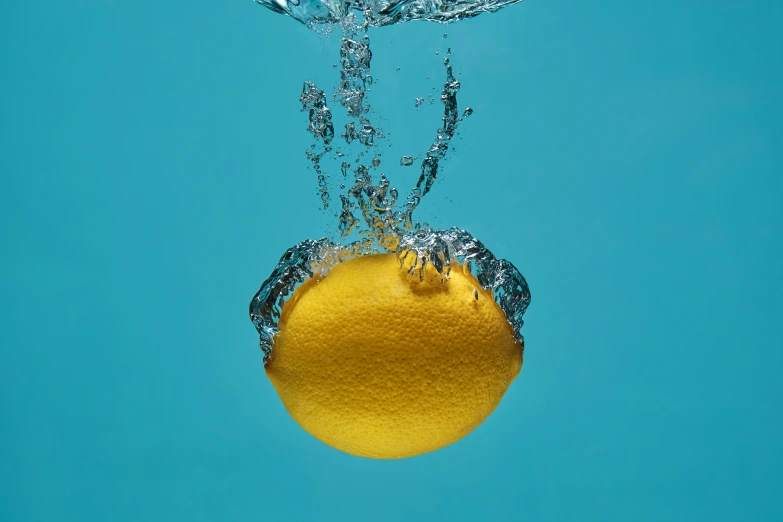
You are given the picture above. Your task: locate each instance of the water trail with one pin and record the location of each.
(314, 101)
(436, 152)
(374, 200)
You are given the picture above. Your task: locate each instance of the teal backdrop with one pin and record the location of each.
(626, 156)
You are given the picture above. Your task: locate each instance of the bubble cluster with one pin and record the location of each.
(444, 250)
(370, 206)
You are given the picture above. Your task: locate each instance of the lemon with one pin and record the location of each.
(379, 364)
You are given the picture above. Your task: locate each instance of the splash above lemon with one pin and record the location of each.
(380, 364)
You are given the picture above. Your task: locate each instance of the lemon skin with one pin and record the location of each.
(380, 364)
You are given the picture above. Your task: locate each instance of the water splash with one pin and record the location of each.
(293, 269)
(384, 12)
(455, 247)
(443, 250)
(384, 223)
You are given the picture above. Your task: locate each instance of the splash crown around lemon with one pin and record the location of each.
(377, 363)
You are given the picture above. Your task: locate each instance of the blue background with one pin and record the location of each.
(626, 156)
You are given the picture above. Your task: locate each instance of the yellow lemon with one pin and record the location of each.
(379, 364)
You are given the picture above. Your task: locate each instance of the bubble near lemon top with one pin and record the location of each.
(391, 355)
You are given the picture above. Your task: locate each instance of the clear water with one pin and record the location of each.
(151, 158)
(384, 12)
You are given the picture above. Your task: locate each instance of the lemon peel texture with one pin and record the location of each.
(380, 364)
